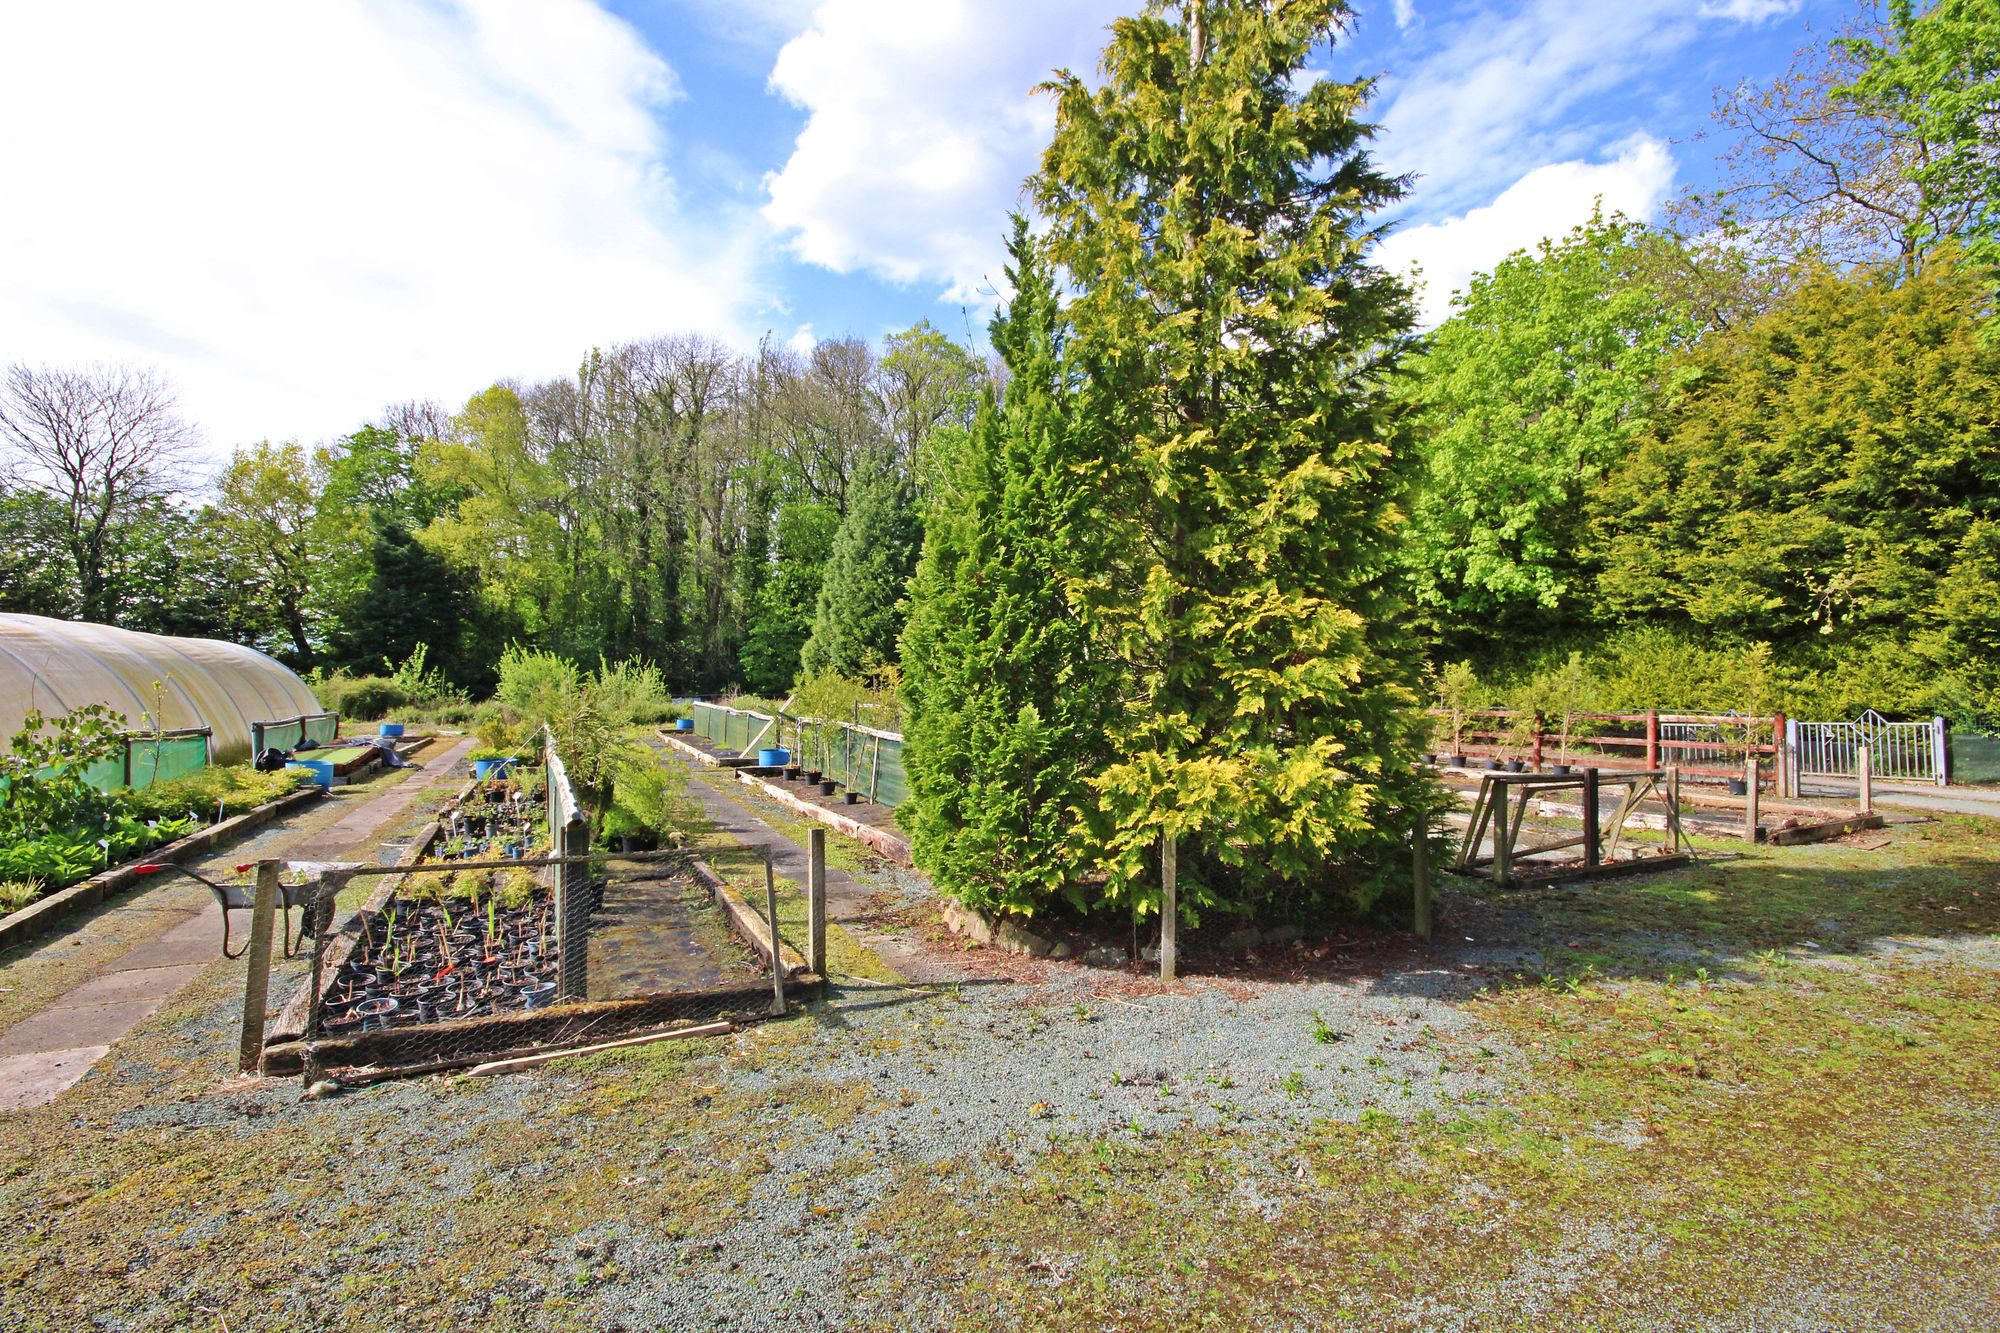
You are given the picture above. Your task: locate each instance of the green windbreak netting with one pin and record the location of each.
(869, 763)
(321, 728)
(171, 757)
(147, 760)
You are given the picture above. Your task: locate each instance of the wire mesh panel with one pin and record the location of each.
(1906, 750)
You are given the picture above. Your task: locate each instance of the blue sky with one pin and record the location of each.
(302, 213)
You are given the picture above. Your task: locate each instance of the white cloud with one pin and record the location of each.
(303, 212)
(1749, 11)
(1406, 13)
(1545, 203)
(922, 125)
(1505, 88)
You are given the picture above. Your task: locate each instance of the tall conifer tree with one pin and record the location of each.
(860, 610)
(1209, 205)
(1004, 713)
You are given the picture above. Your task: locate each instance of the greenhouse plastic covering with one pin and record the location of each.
(56, 666)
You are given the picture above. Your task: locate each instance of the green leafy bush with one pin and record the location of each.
(212, 793)
(359, 698)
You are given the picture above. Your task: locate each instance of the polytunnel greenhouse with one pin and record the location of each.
(153, 680)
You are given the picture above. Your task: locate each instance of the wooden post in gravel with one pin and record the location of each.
(1170, 907)
(816, 899)
(777, 958)
(1420, 870)
(1673, 808)
(1864, 769)
(1750, 820)
(1593, 835)
(257, 984)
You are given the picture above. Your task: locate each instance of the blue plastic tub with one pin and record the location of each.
(773, 758)
(321, 771)
(392, 728)
(482, 767)
(684, 724)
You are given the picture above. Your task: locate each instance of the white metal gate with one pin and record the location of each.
(1897, 751)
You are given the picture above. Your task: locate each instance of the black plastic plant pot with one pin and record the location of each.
(539, 995)
(852, 797)
(792, 772)
(376, 1014)
(826, 787)
(1458, 761)
(1514, 766)
(1560, 770)
(1739, 787)
(812, 775)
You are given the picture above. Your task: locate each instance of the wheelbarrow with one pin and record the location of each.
(241, 898)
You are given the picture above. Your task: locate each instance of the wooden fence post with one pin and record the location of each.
(1750, 819)
(1864, 765)
(1779, 786)
(1652, 738)
(1170, 907)
(1420, 867)
(777, 957)
(1673, 809)
(257, 984)
(1540, 733)
(1593, 850)
(816, 899)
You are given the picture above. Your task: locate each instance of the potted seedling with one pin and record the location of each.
(1454, 686)
(1559, 698)
(1523, 725)
(1753, 682)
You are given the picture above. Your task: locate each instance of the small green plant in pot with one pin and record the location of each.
(1454, 687)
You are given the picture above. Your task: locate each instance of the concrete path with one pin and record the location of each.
(847, 899)
(46, 1052)
(1944, 800)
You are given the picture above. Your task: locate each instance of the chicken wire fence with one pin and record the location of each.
(463, 993)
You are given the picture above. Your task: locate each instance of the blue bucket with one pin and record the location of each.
(392, 728)
(482, 767)
(684, 724)
(773, 758)
(321, 770)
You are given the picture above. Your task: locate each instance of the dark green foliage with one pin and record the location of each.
(411, 597)
(1004, 714)
(860, 609)
(782, 611)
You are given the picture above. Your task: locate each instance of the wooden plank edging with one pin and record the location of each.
(879, 840)
(44, 914)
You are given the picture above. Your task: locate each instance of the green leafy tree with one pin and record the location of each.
(1005, 714)
(859, 613)
(1548, 373)
(263, 517)
(1209, 206)
(1937, 77)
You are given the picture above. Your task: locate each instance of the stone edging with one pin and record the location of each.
(44, 914)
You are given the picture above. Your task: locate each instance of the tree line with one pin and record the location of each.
(674, 502)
